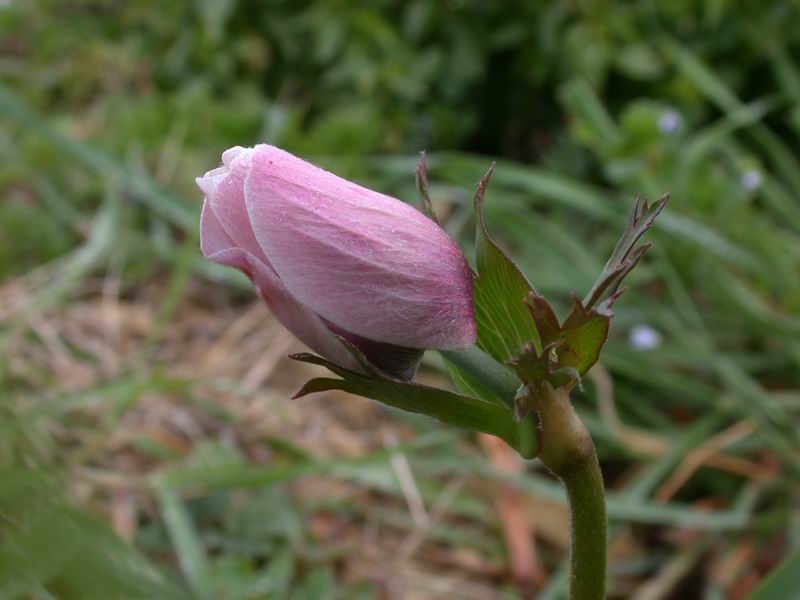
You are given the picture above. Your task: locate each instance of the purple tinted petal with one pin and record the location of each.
(364, 261)
(224, 189)
(304, 324)
(213, 237)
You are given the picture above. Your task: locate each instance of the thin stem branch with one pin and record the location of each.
(568, 451)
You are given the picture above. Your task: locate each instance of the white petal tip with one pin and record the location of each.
(232, 154)
(209, 181)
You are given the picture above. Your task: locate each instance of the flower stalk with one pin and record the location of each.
(569, 453)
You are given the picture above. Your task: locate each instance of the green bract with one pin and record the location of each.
(468, 412)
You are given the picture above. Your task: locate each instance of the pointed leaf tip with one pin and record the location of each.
(544, 316)
(500, 290)
(483, 183)
(421, 173)
(480, 193)
(309, 358)
(626, 255)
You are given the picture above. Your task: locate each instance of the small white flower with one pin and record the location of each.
(644, 337)
(750, 180)
(669, 122)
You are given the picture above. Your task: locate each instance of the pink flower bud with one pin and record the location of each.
(328, 256)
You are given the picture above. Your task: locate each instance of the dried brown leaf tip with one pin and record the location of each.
(421, 173)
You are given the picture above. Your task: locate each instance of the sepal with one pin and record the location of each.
(500, 289)
(570, 349)
(460, 410)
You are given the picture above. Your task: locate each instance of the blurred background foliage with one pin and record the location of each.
(109, 109)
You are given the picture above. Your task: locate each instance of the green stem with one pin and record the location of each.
(568, 451)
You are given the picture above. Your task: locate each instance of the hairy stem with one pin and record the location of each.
(568, 451)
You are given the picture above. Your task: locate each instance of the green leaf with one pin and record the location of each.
(477, 374)
(455, 409)
(472, 412)
(466, 383)
(188, 547)
(585, 333)
(504, 323)
(625, 256)
(233, 476)
(157, 198)
(545, 318)
(481, 375)
(782, 582)
(48, 544)
(107, 567)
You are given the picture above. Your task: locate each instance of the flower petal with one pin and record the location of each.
(208, 182)
(309, 328)
(232, 154)
(224, 188)
(213, 237)
(366, 262)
